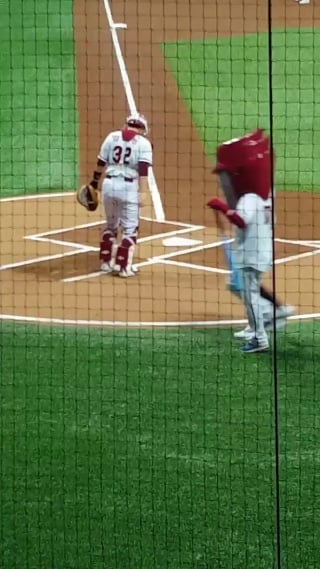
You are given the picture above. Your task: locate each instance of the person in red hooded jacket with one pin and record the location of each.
(244, 167)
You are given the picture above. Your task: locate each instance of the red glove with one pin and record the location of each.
(218, 205)
(232, 215)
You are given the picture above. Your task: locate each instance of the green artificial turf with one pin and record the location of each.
(155, 449)
(38, 117)
(225, 84)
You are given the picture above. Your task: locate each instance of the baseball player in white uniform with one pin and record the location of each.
(244, 167)
(125, 157)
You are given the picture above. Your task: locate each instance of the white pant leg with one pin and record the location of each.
(129, 220)
(266, 305)
(121, 204)
(121, 201)
(267, 308)
(252, 301)
(130, 209)
(111, 204)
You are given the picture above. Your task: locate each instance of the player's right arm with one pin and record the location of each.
(232, 215)
(87, 195)
(105, 149)
(101, 164)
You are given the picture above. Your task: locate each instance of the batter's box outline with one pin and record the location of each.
(315, 245)
(165, 259)
(79, 248)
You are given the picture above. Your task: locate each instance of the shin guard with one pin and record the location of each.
(125, 252)
(108, 245)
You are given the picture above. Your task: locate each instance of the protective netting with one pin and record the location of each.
(135, 433)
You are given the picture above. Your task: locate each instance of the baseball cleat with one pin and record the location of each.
(282, 313)
(254, 346)
(128, 272)
(245, 334)
(106, 268)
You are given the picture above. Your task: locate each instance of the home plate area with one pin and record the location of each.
(180, 245)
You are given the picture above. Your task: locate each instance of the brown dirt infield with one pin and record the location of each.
(50, 264)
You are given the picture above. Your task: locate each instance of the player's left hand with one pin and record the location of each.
(87, 196)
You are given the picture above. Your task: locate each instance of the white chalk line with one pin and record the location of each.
(140, 324)
(307, 243)
(178, 223)
(194, 249)
(145, 239)
(80, 248)
(60, 242)
(102, 274)
(120, 323)
(155, 194)
(156, 260)
(45, 236)
(166, 256)
(296, 257)
(63, 230)
(125, 324)
(189, 226)
(168, 234)
(193, 266)
(37, 197)
(44, 259)
(304, 243)
(164, 260)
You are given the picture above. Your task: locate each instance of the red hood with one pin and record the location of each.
(128, 134)
(247, 160)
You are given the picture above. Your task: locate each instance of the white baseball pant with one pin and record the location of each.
(121, 205)
(252, 300)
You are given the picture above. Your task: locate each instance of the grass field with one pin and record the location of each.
(155, 449)
(38, 116)
(225, 84)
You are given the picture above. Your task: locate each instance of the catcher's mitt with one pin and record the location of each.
(87, 196)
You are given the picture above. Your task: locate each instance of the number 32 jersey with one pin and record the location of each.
(123, 150)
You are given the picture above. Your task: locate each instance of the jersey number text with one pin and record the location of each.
(117, 155)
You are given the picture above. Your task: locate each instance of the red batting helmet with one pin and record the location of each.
(246, 164)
